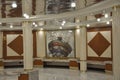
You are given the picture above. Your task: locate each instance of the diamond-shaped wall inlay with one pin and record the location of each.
(17, 45)
(99, 44)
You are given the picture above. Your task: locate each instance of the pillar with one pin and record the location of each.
(83, 65)
(116, 42)
(28, 46)
(81, 38)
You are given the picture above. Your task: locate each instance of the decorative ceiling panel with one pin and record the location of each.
(99, 44)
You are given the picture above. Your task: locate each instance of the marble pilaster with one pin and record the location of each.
(28, 46)
(116, 42)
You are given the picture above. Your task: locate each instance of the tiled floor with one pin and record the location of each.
(57, 74)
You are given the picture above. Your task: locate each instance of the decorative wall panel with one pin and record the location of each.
(99, 44)
(13, 44)
(12, 48)
(60, 44)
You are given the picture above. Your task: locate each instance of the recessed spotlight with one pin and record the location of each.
(36, 25)
(73, 4)
(106, 15)
(60, 27)
(14, 5)
(88, 25)
(98, 19)
(63, 23)
(107, 22)
(11, 26)
(26, 15)
(33, 23)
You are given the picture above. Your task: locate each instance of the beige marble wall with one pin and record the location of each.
(1, 43)
(27, 46)
(41, 49)
(77, 42)
(116, 42)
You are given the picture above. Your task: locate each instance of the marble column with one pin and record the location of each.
(83, 65)
(81, 38)
(116, 42)
(28, 46)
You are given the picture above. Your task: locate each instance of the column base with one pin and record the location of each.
(73, 64)
(38, 63)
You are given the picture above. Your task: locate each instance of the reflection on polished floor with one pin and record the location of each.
(57, 74)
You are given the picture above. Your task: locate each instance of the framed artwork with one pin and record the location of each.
(60, 44)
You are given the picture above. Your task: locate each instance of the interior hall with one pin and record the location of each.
(59, 40)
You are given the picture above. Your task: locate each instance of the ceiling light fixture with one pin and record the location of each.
(33, 23)
(11, 26)
(63, 23)
(106, 15)
(36, 25)
(98, 19)
(60, 27)
(14, 5)
(73, 4)
(107, 22)
(88, 25)
(26, 15)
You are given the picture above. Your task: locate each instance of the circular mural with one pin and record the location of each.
(59, 48)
